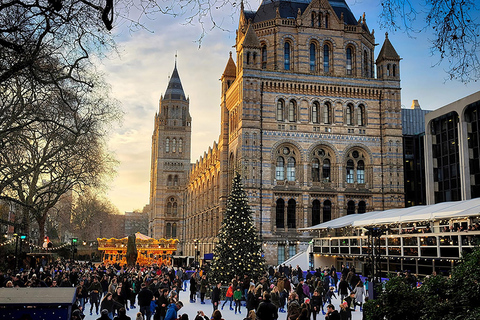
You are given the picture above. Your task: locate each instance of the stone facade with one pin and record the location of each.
(314, 134)
(170, 163)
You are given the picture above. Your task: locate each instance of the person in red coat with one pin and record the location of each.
(229, 296)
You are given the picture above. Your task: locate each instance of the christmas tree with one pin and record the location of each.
(238, 251)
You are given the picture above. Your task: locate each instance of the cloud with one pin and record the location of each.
(139, 76)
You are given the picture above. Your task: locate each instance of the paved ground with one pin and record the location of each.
(192, 308)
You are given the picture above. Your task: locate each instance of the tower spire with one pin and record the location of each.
(175, 89)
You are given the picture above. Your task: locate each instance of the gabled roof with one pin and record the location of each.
(174, 89)
(289, 9)
(387, 52)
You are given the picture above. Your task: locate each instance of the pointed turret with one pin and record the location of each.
(388, 62)
(174, 89)
(251, 39)
(387, 52)
(229, 75)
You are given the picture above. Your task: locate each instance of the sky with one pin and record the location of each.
(140, 72)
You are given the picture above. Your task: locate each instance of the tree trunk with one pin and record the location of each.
(41, 228)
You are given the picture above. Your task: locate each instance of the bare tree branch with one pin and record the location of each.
(455, 26)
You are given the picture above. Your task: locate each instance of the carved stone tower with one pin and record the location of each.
(170, 163)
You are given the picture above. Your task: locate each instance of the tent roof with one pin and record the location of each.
(141, 236)
(37, 296)
(443, 210)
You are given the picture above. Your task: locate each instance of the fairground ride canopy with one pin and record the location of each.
(149, 250)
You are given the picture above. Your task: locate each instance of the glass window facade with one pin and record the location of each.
(473, 124)
(446, 158)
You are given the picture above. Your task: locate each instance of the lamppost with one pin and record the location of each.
(195, 241)
(374, 257)
(18, 250)
(74, 247)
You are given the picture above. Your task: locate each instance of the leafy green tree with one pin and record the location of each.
(438, 298)
(398, 301)
(238, 251)
(132, 253)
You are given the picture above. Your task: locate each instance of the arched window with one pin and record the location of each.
(264, 56)
(172, 206)
(248, 57)
(174, 145)
(168, 231)
(394, 70)
(315, 112)
(349, 115)
(313, 57)
(326, 170)
(312, 23)
(326, 58)
(327, 210)
(175, 180)
(388, 70)
(349, 61)
(169, 180)
(349, 171)
(350, 207)
(291, 169)
(360, 171)
(286, 55)
(327, 22)
(285, 168)
(321, 165)
(280, 110)
(315, 212)
(327, 109)
(174, 230)
(365, 64)
(280, 214)
(316, 170)
(180, 145)
(361, 115)
(254, 58)
(167, 145)
(292, 111)
(362, 207)
(291, 214)
(355, 168)
(280, 169)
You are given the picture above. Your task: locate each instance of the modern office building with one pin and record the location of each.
(452, 154)
(413, 131)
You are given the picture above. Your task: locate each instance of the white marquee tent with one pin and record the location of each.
(443, 210)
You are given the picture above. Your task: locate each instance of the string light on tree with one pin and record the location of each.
(238, 247)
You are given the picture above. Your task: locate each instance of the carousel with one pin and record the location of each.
(149, 250)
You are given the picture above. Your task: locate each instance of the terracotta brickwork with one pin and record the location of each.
(310, 121)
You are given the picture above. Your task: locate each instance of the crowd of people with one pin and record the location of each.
(109, 291)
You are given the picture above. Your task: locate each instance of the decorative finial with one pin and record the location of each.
(386, 35)
(230, 54)
(175, 58)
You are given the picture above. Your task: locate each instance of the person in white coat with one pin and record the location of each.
(359, 291)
